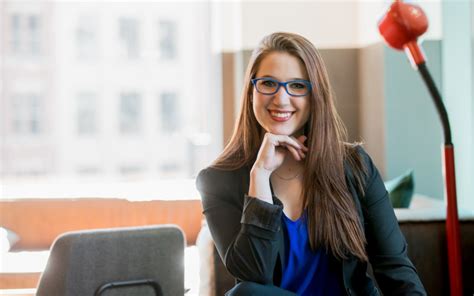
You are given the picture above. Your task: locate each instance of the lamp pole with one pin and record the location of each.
(400, 27)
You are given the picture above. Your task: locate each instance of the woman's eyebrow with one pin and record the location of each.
(268, 76)
(293, 78)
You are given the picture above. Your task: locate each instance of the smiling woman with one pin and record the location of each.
(290, 204)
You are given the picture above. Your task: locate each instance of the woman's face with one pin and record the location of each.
(281, 113)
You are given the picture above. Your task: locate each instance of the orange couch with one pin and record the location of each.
(38, 222)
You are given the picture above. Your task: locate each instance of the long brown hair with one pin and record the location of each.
(332, 218)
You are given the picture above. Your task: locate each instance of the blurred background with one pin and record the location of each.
(109, 109)
(132, 99)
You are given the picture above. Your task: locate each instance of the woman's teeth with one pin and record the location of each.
(280, 114)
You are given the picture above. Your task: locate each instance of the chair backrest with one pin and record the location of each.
(82, 262)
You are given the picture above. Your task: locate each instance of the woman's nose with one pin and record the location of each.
(281, 97)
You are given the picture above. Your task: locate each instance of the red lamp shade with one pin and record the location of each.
(401, 26)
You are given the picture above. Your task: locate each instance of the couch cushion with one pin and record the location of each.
(400, 190)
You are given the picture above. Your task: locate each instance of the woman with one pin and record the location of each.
(291, 206)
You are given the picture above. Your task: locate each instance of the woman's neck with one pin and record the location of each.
(287, 184)
(290, 167)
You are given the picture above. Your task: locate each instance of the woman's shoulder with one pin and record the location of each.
(366, 159)
(355, 152)
(359, 163)
(214, 180)
(354, 155)
(355, 148)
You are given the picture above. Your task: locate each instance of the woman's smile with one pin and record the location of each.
(280, 116)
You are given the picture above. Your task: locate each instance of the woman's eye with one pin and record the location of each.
(269, 83)
(297, 85)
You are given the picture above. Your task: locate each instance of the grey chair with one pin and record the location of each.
(137, 261)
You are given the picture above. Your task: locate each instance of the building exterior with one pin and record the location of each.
(106, 91)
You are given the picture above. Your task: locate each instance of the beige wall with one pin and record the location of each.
(342, 66)
(371, 103)
(228, 95)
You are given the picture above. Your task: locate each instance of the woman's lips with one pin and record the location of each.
(280, 116)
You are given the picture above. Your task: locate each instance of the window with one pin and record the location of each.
(86, 37)
(118, 78)
(33, 38)
(130, 113)
(127, 170)
(169, 114)
(128, 31)
(15, 34)
(26, 110)
(170, 169)
(88, 170)
(86, 116)
(25, 34)
(30, 172)
(167, 40)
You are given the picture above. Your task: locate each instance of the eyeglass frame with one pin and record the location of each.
(284, 84)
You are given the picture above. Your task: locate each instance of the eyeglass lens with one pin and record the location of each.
(269, 86)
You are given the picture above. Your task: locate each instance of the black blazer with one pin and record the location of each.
(250, 241)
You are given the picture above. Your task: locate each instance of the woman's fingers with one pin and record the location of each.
(298, 154)
(302, 151)
(294, 145)
(302, 154)
(301, 139)
(295, 152)
(281, 140)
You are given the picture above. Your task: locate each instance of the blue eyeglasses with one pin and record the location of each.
(270, 86)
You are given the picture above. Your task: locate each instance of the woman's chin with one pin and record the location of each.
(281, 131)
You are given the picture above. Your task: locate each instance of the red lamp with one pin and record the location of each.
(400, 27)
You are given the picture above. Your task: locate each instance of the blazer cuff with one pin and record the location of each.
(261, 214)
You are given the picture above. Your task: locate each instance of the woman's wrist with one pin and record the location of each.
(260, 173)
(260, 184)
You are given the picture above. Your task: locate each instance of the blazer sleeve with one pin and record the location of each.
(387, 248)
(244, 229)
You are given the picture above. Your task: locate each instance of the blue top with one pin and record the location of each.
(306, 272)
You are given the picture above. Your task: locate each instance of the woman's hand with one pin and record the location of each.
(275, 148)
(272, 153)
